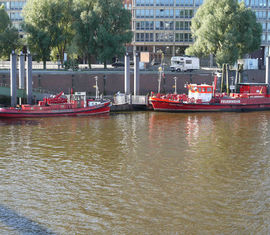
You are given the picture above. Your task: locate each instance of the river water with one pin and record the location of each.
(136, 173)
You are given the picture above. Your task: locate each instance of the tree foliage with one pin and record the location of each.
(113, 30)
(9, 36)
(85, 25)
(48, 25)
(102, 28)
(99, 28)
(226, 29)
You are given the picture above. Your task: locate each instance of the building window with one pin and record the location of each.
(164, 37)
(198, 2)
(263, 37)
(183, 37)
(144, 37)
(260, 14)
(185, 2)
(144, 25)
(164, 2)
(184, 13)
(144, 13)
(164, 25)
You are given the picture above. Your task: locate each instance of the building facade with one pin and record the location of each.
(164, 25)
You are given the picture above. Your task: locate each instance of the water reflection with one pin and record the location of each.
(20, 223)
(16, 121)
(142, 172)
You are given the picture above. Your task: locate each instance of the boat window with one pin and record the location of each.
(209, 89)
(203, 89)
(200, 89)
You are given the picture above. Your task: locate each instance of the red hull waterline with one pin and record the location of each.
(174, 106)
(50, 111)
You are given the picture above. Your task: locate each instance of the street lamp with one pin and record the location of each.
(175, 85)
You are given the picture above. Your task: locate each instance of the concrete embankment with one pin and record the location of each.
(110, 82)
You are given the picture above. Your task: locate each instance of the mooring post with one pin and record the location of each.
(21, 71)
(136, 74)
(127, 74)
(13, 75)
(29, 79)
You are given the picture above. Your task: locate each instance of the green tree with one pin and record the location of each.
(35, 25)
(85, 26)
(114, 29)
(9, 36)
(60, 14)
(226, 29)
(39, 43)
(48, 25)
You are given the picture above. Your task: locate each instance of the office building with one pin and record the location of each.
(164, 25)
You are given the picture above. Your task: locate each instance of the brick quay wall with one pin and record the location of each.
(111, 82)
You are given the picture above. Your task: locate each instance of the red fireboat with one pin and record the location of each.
(59, 106)
(202, 98)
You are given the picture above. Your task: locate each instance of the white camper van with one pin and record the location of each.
(184, 63)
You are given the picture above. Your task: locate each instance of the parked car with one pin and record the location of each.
(118, 64)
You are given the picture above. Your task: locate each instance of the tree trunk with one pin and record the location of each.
(89, 60)
(44, 64)
(105, 64)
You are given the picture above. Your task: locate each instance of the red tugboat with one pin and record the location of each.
(59, 106)
(201, 98)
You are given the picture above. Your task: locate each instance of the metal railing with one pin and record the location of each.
(120, 99)
(51, 65)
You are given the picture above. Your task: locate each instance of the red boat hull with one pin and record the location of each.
(48, 112)
(249, 104)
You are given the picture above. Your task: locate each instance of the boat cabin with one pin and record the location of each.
(201, 92)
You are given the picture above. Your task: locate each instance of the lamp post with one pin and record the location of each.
(175, 85)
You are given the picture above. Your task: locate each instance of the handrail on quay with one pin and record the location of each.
(120, 99)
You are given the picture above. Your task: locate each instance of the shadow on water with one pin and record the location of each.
(20, 223)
